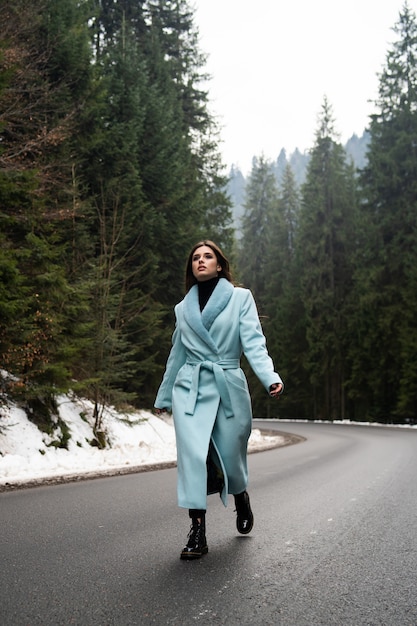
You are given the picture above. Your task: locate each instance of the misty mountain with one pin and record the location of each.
(355, 147)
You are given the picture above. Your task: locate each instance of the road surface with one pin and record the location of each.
(334, 542)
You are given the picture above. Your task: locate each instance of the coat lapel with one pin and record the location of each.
(202, 322)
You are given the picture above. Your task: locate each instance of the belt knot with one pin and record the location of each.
(217, 367)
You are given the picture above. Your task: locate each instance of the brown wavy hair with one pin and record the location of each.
(225, 272)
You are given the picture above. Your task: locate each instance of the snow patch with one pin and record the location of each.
(135, 439)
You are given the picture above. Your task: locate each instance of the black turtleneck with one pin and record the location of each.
(205, 289)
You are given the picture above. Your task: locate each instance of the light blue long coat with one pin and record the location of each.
(207, 391)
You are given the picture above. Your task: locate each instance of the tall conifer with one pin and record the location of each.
(386, 371)
(325, 253)
(45, 71)
(261, 203)
(285, 325)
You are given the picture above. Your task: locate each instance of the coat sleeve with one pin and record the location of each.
(254, 343)
(176, 360)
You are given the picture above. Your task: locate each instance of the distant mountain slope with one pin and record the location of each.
(355, 147)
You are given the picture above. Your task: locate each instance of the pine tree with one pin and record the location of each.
(153, 178)
(198, 206)
(44, 50)
(260, 206)
(181, 169)
(110, 172)
(285, 326)
(117, 261)
(324, 257)
(386, 372)
(260, 203)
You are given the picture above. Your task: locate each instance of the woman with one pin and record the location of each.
(207, 391)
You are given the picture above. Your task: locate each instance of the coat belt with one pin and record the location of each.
(218, 370)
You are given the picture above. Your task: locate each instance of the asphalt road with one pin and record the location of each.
(334, 542)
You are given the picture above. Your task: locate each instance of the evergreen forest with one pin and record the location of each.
(111, 169)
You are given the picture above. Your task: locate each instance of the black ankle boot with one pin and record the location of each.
(244, 518)
(197, 544)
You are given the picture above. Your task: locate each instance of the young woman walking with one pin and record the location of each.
(207, 392)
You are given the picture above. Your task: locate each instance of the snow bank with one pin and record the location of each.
(135, 439)
(26, 453)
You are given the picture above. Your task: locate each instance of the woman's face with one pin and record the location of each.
(204, 264)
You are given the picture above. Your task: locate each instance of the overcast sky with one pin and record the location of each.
(273, 61)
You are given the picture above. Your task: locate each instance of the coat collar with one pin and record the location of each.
(201, 322)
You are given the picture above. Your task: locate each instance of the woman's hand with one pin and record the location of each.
(275, 390)
(159, 411)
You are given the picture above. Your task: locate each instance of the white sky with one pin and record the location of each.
(273, 61)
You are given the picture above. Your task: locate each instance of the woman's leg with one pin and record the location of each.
(231, 436)
(197, 543)
(244, 515)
